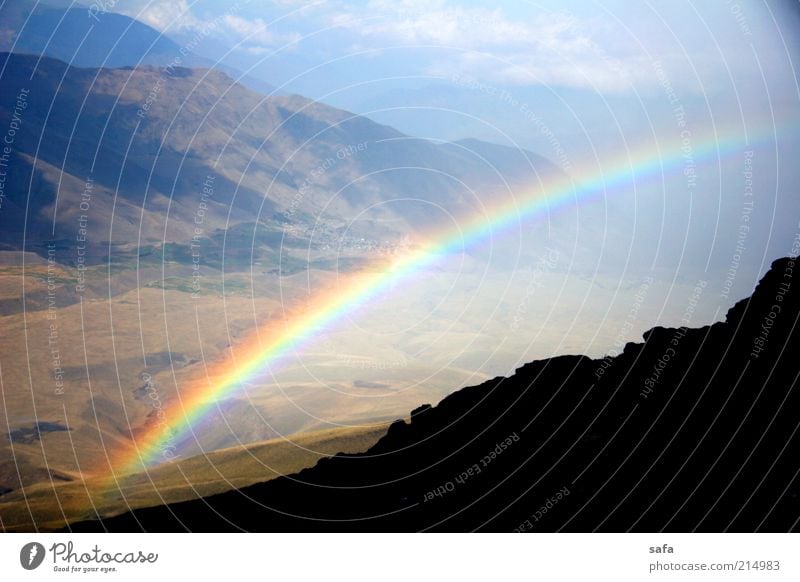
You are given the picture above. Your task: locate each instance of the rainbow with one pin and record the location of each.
(257, 355)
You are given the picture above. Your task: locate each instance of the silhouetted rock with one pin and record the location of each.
(695, 429)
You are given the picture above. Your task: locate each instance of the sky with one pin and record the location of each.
(609, 46)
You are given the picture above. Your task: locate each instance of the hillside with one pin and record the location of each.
(51, 505)
(694, 429)
(146, 141)
(92, 35)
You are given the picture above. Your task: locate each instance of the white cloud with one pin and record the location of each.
(412, 21)
(160, 14)
(254, 30)
(253, 35)
(520, 69)
(549, 48)
(257, 50)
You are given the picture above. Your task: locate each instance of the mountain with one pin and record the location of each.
(88, 36)
(694, 429)
(147, 140)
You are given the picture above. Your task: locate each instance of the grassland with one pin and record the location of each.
(47, 506)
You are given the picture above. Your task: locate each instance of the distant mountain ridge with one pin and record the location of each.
(148, 139)
(693, 430)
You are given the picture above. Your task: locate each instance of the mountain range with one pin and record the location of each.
(148, 138)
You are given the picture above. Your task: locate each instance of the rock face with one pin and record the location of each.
(694, 429)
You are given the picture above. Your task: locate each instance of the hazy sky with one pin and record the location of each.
(609, 45)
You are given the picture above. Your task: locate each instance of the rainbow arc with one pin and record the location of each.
(272, 344)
